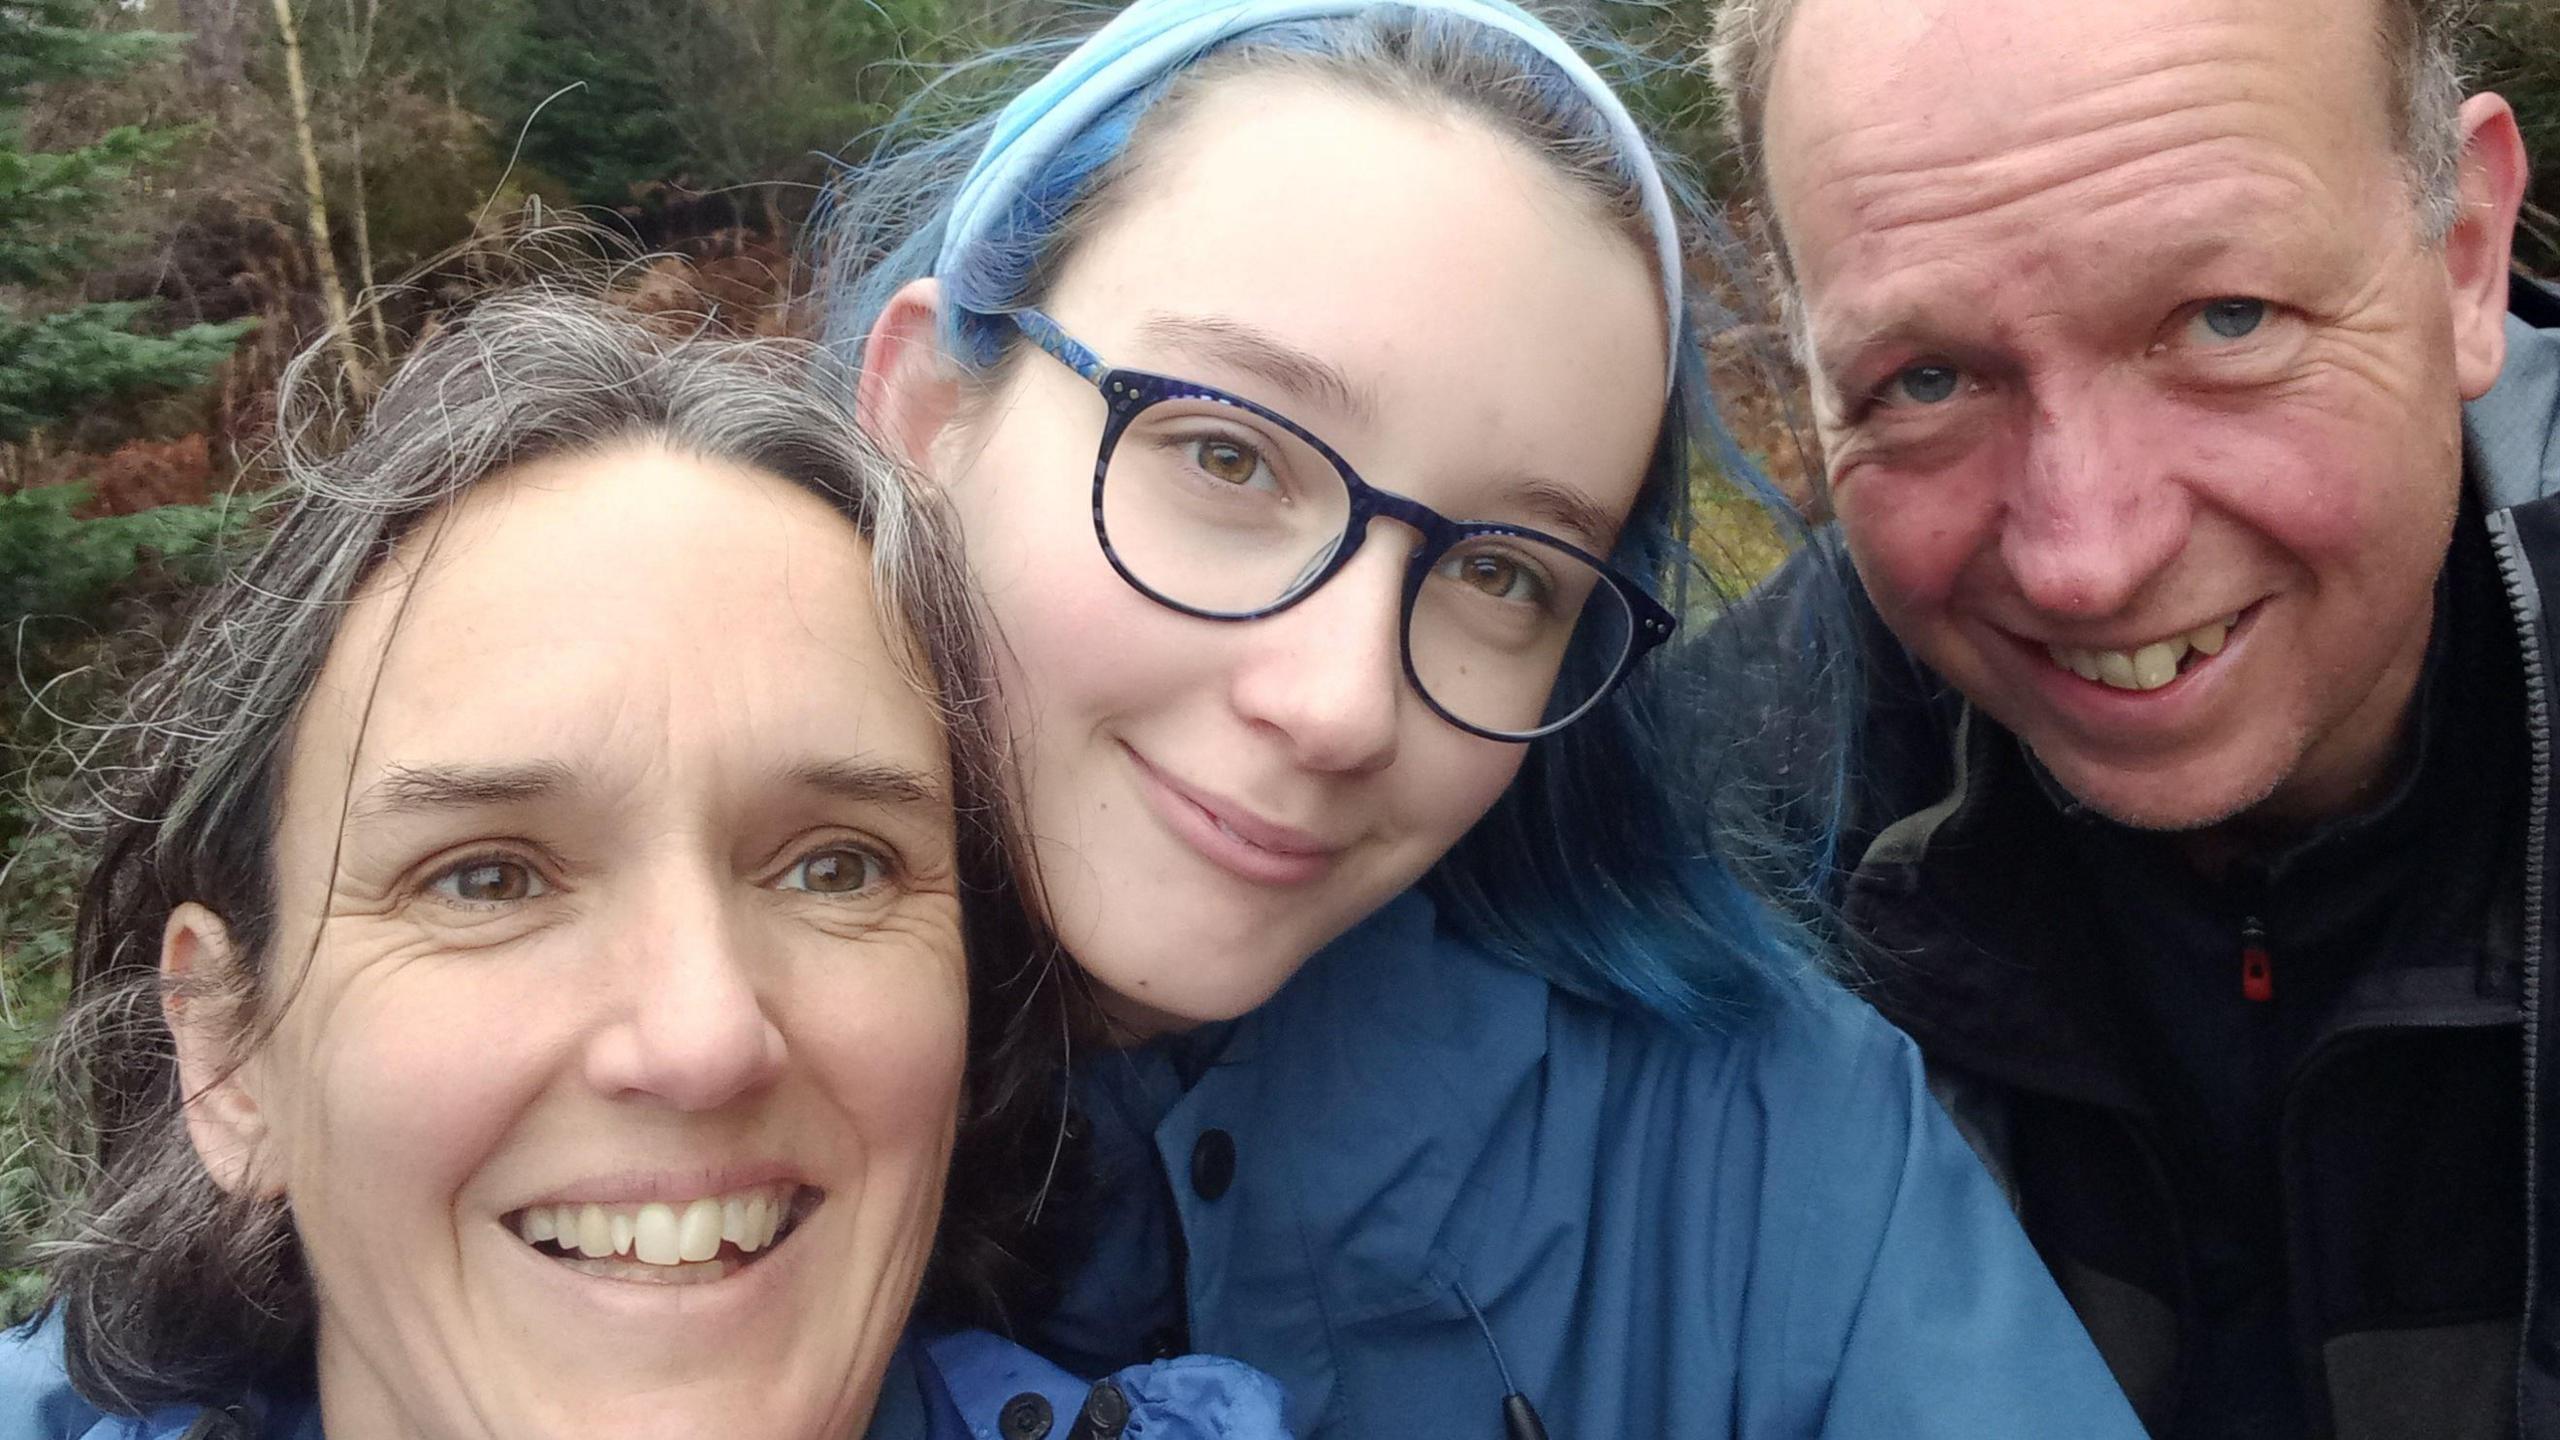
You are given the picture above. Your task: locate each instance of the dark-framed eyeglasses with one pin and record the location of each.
(1217, 507)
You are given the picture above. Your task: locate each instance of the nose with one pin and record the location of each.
(1327, 675)
(690, 1030)
(2095, 515)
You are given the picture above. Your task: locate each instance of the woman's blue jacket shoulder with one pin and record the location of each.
(38, 1403)
(1420, 1178)
(964, 1385)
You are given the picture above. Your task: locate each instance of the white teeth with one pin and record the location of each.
(2149, 667)
(662, 1233)
(656, 1229)
(700, 1236)
(595, 1233)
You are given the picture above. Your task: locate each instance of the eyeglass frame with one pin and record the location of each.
(1129, 393)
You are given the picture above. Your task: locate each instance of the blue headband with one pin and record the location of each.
(1152, 37)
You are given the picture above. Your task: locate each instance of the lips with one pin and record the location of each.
(1231, 836)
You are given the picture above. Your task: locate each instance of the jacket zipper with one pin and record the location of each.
(2521, 598)
(2257, 963)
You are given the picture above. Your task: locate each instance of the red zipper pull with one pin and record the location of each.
(2257, 967)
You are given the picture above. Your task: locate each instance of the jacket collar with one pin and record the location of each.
(1385, 1068)
(2007, 989)
(1368, 1089)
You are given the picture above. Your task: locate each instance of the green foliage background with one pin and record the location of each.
(673, 116)
(2517, 53)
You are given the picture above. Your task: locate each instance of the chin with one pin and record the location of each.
(2172, 798)
(1166, 989)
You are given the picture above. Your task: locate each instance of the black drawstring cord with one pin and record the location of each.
(1519, 1417)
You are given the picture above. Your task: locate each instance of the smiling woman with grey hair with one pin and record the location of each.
(554, 937)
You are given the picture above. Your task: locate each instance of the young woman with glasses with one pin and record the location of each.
(1315, 384)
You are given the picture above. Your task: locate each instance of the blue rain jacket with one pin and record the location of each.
(960, 1386)
(38, 1403)
(1773, 1233)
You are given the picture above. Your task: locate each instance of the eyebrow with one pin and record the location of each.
(407, 789)
(1842, 354)
(1558, 508)
(1231, 342)
(869, 782)
(413, 789)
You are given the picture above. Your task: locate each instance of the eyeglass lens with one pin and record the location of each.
(1216, 509)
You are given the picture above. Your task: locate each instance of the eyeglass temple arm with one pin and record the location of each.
(1042, 331)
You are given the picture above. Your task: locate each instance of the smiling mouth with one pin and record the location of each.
(1265, 851)
(2153, 666)
(689, 1242)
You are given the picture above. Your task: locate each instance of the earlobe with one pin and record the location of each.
(198, 1000)
(909, 390)
(2481, 245)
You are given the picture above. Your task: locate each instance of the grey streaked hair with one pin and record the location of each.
(2421, 46)
(172, 1290)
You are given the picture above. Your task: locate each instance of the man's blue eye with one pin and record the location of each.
(1927, 384)
(2235, 319)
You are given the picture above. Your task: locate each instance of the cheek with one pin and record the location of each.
(2332, 488)
(884, 1034)
(1913, 536)
(1052, 594)
(1448, 780)
(357, 1069)
(1073, 649)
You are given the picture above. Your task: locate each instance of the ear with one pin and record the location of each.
(225, 1120)
(2481, 245)
(909, 390)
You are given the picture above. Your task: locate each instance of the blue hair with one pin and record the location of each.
(1603, 867)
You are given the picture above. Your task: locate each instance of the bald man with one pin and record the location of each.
(2195, 452)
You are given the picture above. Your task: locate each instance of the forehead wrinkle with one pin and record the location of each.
(1921, 131)
(2124, 159)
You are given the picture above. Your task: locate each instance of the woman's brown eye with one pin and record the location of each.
(1227, 461)
(1491, 574)
(836, 872)
(488, 882)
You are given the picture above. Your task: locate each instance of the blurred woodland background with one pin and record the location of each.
(191, 190)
